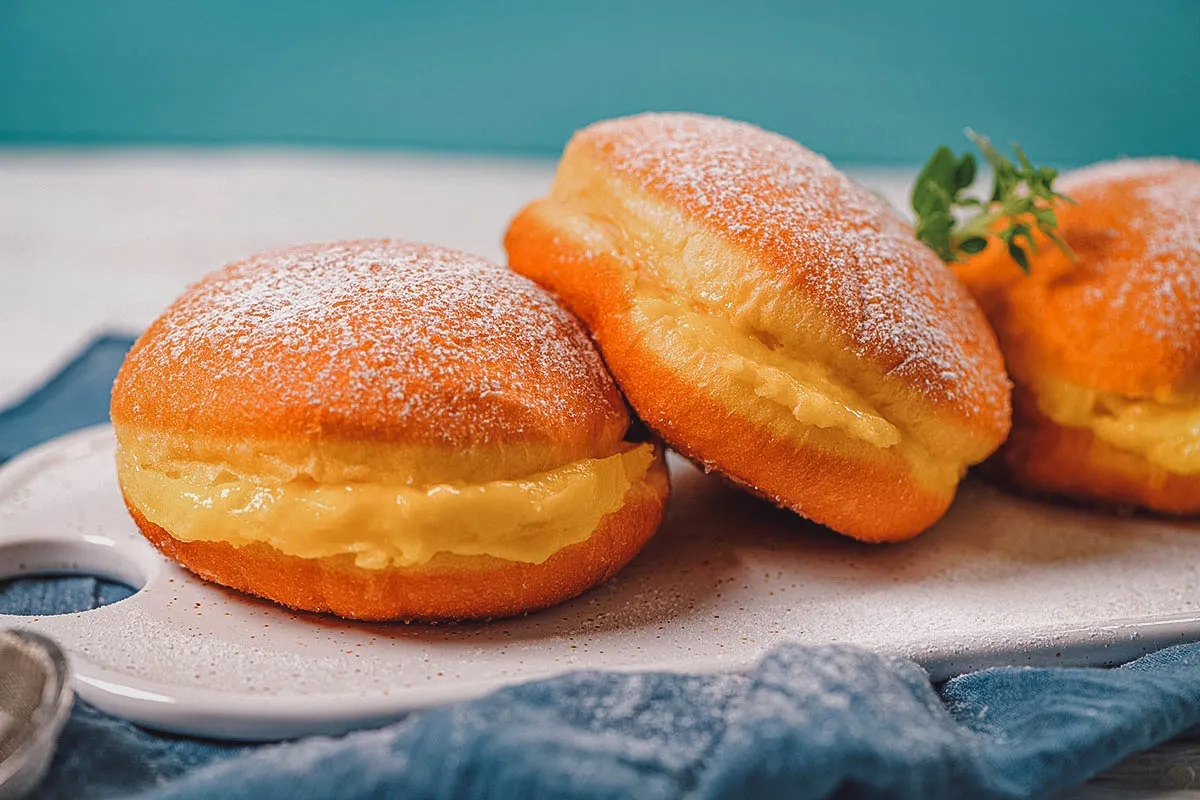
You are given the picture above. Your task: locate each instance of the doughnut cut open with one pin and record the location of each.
(1105, 349)
(771, 319)
(382, 430)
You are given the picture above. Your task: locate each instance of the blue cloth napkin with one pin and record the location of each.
(808, 722)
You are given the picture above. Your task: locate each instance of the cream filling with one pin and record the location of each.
(386, 524)
(737, 368)
(1165, 434)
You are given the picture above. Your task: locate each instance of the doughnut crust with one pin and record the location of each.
(770, 319)
(1105, 350)
(1043, 457)
(382, 430)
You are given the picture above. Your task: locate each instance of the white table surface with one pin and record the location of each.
(103, 240)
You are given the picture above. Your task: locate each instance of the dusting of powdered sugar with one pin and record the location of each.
(1159, 256)
(1121, 169)
(826, 237)
(411, 340)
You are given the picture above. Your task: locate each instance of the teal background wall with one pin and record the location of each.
(863, 81)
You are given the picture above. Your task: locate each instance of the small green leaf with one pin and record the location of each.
(927, 200)
(939, 167)
(1018, 255)
(964, 172)
(929, 192)
(934, 230)
(976, 244)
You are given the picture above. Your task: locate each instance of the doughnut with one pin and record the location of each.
(383, 431)
(770, 319)
(1105, 350)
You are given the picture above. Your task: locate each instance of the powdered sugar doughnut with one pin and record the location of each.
(770, 318)
(1105, 350)
(383, 430)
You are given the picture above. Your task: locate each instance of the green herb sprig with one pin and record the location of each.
(955, 224)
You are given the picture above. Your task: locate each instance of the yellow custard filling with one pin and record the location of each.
(387, 524)
(1166, 434)
(804, 389)
(799, 395)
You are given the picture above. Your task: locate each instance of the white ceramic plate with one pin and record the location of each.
(1001, 580)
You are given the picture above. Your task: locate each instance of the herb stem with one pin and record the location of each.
(1022, 194)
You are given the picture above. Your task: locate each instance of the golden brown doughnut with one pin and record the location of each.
(382, 430)
(1105, 351)
(770, 319)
